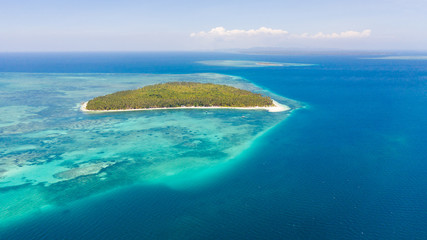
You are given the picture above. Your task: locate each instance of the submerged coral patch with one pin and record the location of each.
(53, 153)
(250, 64)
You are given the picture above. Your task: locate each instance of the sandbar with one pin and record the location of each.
(269, 64)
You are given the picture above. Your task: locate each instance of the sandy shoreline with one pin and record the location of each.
(276, 108)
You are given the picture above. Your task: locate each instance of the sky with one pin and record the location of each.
(188, 25)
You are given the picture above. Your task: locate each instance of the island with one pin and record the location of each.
(178, 95)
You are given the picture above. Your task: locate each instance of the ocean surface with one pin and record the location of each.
(349, 161)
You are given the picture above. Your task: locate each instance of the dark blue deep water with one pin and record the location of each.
(352, 164)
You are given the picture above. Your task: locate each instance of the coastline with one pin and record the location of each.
(276, 108)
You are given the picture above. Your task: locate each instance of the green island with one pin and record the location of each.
(179, 94)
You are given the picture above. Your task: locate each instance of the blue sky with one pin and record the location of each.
(131, 25)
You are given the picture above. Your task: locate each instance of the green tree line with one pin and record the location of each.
(178, 94)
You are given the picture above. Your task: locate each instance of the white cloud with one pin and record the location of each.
(222, 32)
(346, 34)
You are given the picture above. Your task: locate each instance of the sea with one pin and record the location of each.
(348, 161)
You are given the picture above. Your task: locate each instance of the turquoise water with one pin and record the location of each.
(248, 64)
(349, 162)
(52, 153)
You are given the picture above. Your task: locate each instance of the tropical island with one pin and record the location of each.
(173, 95)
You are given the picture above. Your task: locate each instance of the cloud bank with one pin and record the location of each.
(346, 34)
(221, 32)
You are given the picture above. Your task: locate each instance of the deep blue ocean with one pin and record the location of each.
(350, 164)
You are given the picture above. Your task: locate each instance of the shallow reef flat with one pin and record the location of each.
(51, 153)
(250, 64)
(400, 58)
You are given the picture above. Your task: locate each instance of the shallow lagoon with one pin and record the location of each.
(52, 153)
(250, 64)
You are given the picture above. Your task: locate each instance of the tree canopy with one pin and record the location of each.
(178, 94)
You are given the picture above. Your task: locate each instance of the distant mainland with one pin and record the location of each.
(182, 95)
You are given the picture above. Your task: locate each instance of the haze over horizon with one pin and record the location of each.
(189, 25)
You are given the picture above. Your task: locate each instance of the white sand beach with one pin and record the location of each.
(276, 108)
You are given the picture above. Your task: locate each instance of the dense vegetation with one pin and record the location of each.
(178, 94)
